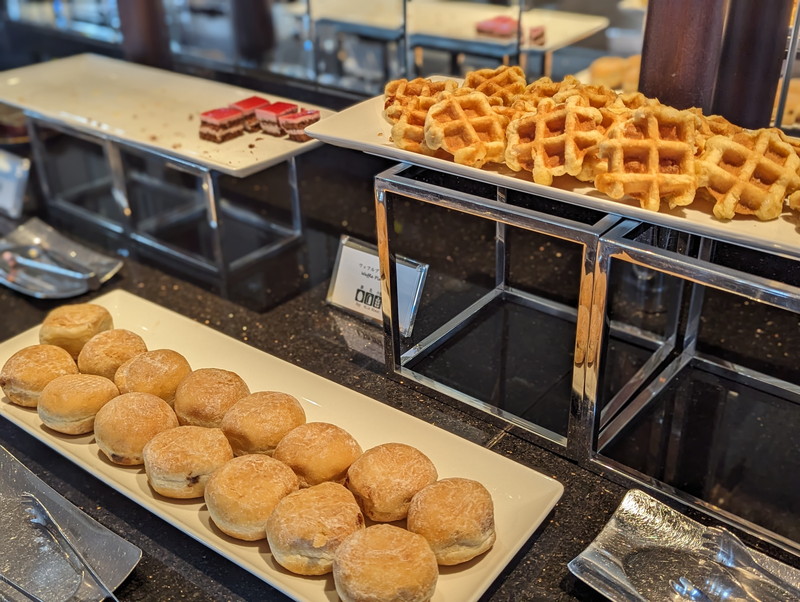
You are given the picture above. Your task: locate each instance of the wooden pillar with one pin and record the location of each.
(756, 36)
(145, 37)
(681, 52)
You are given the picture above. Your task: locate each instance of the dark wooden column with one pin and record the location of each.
(682, 50)
(145, 37)
(756, 36)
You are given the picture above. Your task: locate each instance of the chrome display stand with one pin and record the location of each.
(655, 395)
(575, 441)
(111, 168)
(690, 269)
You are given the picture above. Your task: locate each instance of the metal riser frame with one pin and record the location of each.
(208, 189)
(577, 443)
(696, 271)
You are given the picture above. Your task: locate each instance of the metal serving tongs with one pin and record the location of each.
(40, 515)
(49, 260)
(19, 589)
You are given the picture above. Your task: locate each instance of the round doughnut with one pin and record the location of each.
(70, 326)
(106, 351)
(179, 461)
(203, 397)
(318, 452)
(69, 403)
(256, 423)
(384, 563)
(307, 526)
(242, 493)
(125, 424)
(158, 372)
(607, 71)
(386, 477)
(26, 373)
(456, 516)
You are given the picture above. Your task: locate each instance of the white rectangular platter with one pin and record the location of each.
(362, 127)
(147, 107)
(523, 497)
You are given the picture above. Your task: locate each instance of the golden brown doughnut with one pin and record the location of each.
(28, 371)
(256, 423)
(125, 424)
(69, 403)
(307, 526)
(203, 397)
(456, 516)
(179, 461)
(158, 372)
(242, 493)
(106, 351)
(318, 452)
(70, 326)
(386, 477)
(387, 564)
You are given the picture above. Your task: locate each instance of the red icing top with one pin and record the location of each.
(276, 109)
(301, 115)
(248, 105)
(501, 25)
(220, 115)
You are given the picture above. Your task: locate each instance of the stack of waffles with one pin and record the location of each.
(623, 144)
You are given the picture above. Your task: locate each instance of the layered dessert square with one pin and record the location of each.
(536, 35)
(219, 125)
(500, 26)
(268, 117)
(295, 123)
(248, 108)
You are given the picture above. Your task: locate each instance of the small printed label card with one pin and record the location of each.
(356, 283)
(13, 180)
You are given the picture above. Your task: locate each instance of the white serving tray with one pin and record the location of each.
(148, 107)
(523, 497)
(362, 127)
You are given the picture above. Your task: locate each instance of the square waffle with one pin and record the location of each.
(467, 127)
(400, 93)
(651, 157)
(554, 140)
(750, 173)
(504, 82)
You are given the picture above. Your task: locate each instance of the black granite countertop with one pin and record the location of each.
(307, 332)
(282, 311)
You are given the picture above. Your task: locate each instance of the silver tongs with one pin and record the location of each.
(41, 516)
(48, 260)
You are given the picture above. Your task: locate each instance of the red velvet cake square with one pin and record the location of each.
(219, 125)
(501, 26)
(268, 117)
(248, 107)
(294, 124)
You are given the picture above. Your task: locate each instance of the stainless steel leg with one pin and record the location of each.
(119, 189)
(384, 218)
(211, 191)
(40, 158)
(294, 191)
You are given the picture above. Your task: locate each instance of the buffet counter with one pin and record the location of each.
(307, 332)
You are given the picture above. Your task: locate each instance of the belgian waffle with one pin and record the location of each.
(750, 173)
(651, 157)
(408, 132)
(400, 93)
(504, 83)
(538, 90)
(467, 127)
(554, 140)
